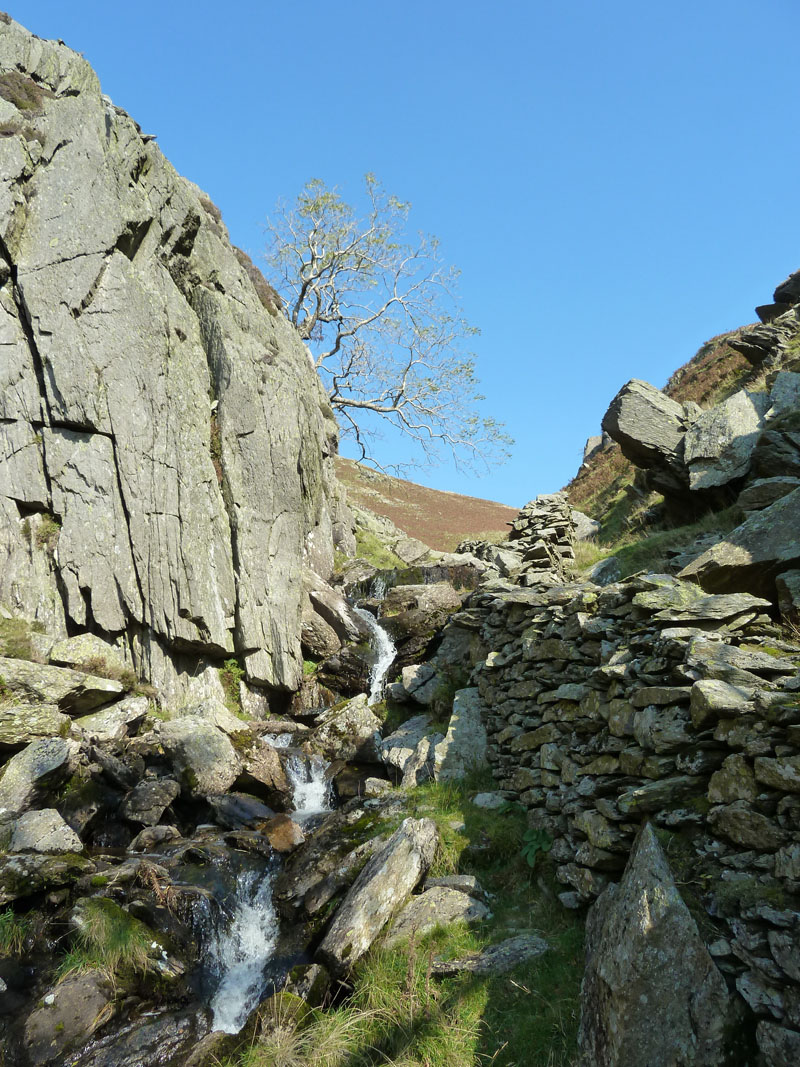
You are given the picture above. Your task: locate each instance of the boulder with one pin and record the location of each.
(464, 746)
(349, 731)
(148, 801)
(762, 492)
(413, 613)
(263, 773)
(22, 723)
(72, 691)
(437, 906)
(89, 653)
(23, 874)
(68, 1016)
(381, 887)
(585, 528)
(44, 831)
(651, 993)
(751, 556)
(239, 811)
(420, 682)
(779, 1046)
(649, 428)
(283, 833)
(497, 959)
(788, 586)
(399, 747)
(43, 765)
(115, 722)
(719, 444)
(203, 757)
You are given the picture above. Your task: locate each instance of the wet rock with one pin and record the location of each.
(310, 981)
(381, 887)
(283, 833)
(238, 811)
(148, 801)
(153, 836)
(349, 731)
(69, 1014)
(44, 831)
(206, 762)
(156, 1042)
(651, 993)
(437, 906)
(41, 766)
(413, 613)
(464, 745)
(22, 723)
(497, 959)
(24, 874)
(263, 773)
(72, 691)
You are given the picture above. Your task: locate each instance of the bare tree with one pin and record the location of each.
(381, 319)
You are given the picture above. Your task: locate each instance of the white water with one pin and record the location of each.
(279, 740)
(241, 951)
(311, 788)
(384, 650)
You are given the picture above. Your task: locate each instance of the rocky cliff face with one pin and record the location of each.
(165, 441)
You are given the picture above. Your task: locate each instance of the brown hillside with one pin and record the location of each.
(438, 519)
(712, 374)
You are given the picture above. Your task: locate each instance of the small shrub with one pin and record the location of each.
(13, 931)
(47, 532)
(231, 674)
(23, 92)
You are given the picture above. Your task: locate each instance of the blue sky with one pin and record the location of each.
(616, 180)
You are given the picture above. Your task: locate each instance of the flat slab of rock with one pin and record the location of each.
(22, 874)
(44, 831)
(22, 723)
(651, 993)
(438, 906)
(379, 890)
(497, 959)
(72, 691)
(720, 442)
(464, 745)
(116, 722)
(398, 748)
(68, 1015)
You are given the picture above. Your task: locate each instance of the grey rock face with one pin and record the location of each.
(464, 746)
(379, 890)
(399, 747)
(651, 992)
(720, 442)
(649, 428)
(150, 402)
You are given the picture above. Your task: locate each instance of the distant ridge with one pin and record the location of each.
(439, 519)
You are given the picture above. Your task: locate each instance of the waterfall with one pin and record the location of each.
(384, 649)
(311, 788)
(279, 740)
(240, 951)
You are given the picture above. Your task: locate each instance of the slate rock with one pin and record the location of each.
(115, 722)
(649, 428)
(22, 723)
(779, 1046)
(651, 993)
(43, 765)
(44, 831)
(399, 747)
(378, 891)
(23, 874)
(349, 731)
(437, 906)
(72, 691)
(83, 649)
(497, 959)
(68, 1016)
(464, 746)
(204, 759)
(747, 828)
(719, 444)
(762, 492)
(148, 800)
(238, 811)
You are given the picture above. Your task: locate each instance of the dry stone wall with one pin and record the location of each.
(650, 701)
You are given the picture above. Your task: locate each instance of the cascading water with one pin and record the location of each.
(240, 951)
(385, 652)
(311, 787)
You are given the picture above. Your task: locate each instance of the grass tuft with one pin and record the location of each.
(14, 930)
(108, 940)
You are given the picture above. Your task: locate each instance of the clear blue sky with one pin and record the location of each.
(616, 180)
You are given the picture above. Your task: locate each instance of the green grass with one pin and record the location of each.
(230, 675)
(642, 551)
(399, 1014)
(109, 940)
(371, 548)
(13, 931)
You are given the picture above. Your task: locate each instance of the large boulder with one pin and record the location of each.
(651, 993)
(719, 444)
(72, 691)
(204, 759)
(413, 614)
(377, 893)
(158, 414)
(437, 906)
(42, 765)
(349, 731)
(750, 557)
(649, 428)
